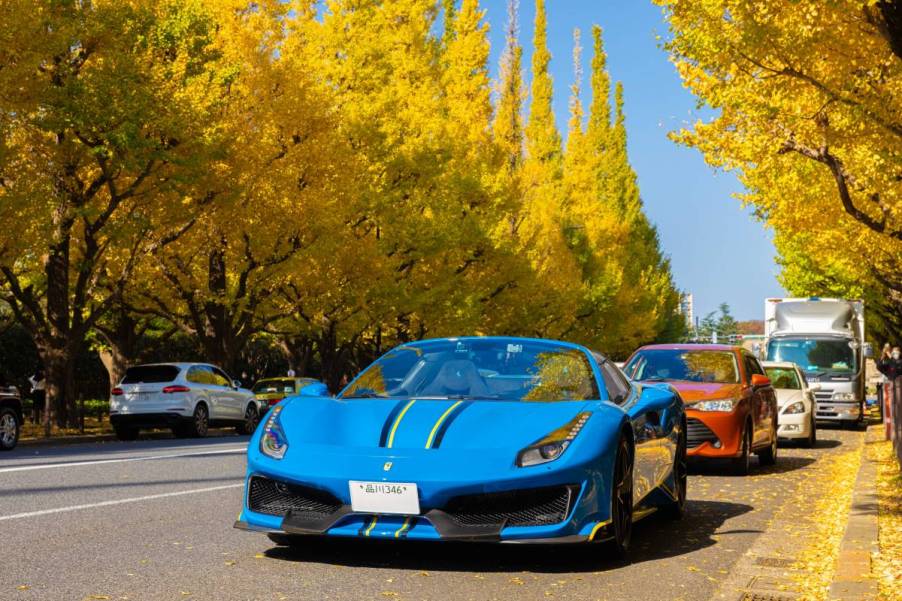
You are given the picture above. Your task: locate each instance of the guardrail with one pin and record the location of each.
(892, 415)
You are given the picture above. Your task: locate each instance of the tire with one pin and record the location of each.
(811, 441)
(200, 422)
(126, 432)
(742, 464)
(768, 456)
(621, 502)
(9, 429)
(251, 419)
(677, 508)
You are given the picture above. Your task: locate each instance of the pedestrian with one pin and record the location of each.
(890, 362)
(38, 394)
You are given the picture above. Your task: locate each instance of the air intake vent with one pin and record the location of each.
(529, 507)
(697, 433)
(278, 498)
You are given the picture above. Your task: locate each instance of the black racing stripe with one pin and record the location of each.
(386, 428)
(447, 423)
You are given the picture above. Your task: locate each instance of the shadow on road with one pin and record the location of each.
(653, 538)
(714, 467)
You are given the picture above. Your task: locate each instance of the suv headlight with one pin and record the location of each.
(797, 407)
(845, 396)
(716, 405)
(273, 442)
(552, 446)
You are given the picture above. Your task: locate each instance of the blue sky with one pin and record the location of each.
(719, 252)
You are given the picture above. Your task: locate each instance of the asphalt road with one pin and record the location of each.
(153, 520)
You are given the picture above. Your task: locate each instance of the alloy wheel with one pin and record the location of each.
(9, 429)
(201, 421)
(251, 417)
(622, 501)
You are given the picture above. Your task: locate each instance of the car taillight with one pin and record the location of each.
(273, 402)
(176, 388)
(117, 391)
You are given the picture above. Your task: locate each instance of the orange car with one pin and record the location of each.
(731, 407)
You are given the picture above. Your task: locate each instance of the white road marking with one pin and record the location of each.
(50, 466)
(32, 514)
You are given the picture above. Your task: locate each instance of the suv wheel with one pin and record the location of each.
(251, 419)
(9, 429)
(200, 422)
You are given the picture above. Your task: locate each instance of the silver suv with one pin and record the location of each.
(189, 398)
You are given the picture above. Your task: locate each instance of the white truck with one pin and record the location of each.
(825, 338)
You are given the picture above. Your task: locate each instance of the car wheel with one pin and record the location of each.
(621, 502)
(9, 429)
(769, 455)
(812, 435)
(251, 419)
(126, 432)
(200, 421)
(742, 464)
(680, 472)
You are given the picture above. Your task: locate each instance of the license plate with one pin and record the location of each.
(384, 497)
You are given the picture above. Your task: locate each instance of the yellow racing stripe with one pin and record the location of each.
(439, 423)
(394, 428)
(598, 527)
(403, 528)
(371, 526)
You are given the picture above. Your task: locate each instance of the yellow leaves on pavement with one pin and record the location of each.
(887, 565)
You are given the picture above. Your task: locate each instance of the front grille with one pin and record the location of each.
(824, 396)
(697, 433)
(531, 507)
(278, 498)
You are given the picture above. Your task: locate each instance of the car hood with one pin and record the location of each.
(391, 425)
(693, 392)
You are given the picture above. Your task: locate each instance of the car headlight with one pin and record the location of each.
(844, 396)
(273, 442)
(552, 446)
(797, 407)
(717, 405)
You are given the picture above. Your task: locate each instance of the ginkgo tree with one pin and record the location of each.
(808, 112)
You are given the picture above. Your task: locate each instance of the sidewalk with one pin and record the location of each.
(819, 545)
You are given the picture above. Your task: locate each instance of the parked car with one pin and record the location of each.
(478, 439)
(795, 402)
(731, 407)
(11, 418)
(269, 391)
(189, 398)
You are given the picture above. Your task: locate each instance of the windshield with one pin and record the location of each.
(686, 365)
(479, 369)
(267, 386)
(814, 355)
(783, 377)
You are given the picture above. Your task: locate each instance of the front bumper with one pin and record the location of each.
(718, 433)
(795, 425)
(837, 411)
(582, 522)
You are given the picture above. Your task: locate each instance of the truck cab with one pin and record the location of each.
(825, 338)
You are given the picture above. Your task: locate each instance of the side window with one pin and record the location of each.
(193, 375)
(617, 385)
(220, 378)
(752, 366)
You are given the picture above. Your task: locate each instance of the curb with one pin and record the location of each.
(852, 580)
(59, 441)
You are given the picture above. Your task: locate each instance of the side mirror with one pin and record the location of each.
(759, 380)
(317, 389)
(236, 383)
(868, 351)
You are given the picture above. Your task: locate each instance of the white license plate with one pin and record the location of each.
(384, 497)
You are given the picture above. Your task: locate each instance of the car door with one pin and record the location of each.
(646, 431)
(232, 399)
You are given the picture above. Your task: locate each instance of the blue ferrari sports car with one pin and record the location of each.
(471, 439)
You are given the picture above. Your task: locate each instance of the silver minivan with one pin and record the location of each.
(189, 398)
